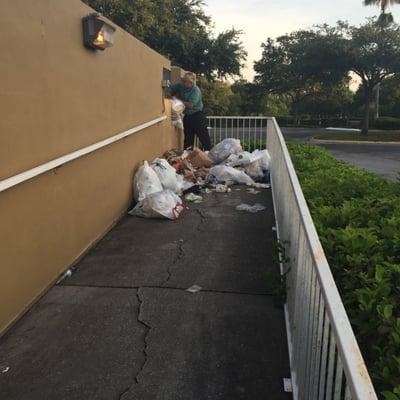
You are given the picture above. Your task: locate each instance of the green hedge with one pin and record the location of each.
(387, 123)
(357, 215)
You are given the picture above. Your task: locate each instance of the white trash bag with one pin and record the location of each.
(177, 105)
(164, 204)
(236, 160)
(244, 158)
(167, 175)
(221, 151)
(263, 158)
(177, 113)
(254, 170)
(145, 182)
(229, 175)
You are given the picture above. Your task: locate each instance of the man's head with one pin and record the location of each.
(188, 80)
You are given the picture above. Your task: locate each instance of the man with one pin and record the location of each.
(194, 121)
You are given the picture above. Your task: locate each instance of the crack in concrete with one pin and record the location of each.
(181, 251)
(180, 254)
(145, 345)
(204, 290)
(202, 219)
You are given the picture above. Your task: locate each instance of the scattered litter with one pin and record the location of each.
(261, 185)
(191, 173)
(66, 274)
(163, 204)
(186, 185)
(222, 189)
(274, 228)
(4, 370)
(287, 385)
(194, 289)
(193, 197)
(252, 209)
(174, 155)
(145, 182)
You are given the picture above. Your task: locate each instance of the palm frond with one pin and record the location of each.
(384, 4)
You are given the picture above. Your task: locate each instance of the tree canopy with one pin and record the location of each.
(309, 62)
(300, 64)
(180, 30)
(373, 53)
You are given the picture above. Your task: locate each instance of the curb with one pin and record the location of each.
(332, 141)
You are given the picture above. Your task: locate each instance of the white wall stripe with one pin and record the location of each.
(41, 169)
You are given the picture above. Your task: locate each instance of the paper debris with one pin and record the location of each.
(194, 289)
(252, 209)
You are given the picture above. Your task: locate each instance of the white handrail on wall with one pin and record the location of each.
(48, 166)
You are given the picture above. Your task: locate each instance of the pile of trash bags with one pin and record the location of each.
(159, 186)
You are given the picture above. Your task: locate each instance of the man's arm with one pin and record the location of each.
(173, 90)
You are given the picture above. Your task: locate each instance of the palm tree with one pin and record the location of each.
(382, 3)
(385, 18)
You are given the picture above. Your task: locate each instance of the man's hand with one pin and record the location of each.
(188, 104)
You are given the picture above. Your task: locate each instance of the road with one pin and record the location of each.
(381, 159)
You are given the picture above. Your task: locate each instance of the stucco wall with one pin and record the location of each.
(57, 97)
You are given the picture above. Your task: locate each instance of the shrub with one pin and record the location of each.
(387, 123)
(357, 216)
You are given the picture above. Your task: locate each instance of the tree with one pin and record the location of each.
(248, 99)
(372, 53)
(385, 18)
(333, 101)
(180, 30)
(390, 97)
(298, 65)
(382, 3)
(216, 96)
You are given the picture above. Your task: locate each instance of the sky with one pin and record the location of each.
(260, 19)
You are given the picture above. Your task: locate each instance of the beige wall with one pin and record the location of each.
(57, 97)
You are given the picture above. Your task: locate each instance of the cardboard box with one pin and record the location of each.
(199, 159)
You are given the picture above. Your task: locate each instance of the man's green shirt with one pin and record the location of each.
(192, 95)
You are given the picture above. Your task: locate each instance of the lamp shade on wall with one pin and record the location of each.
(97, 34)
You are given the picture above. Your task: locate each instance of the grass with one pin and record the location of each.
(373, 136)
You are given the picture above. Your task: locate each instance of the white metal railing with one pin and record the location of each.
(326, 361)
(252, 131)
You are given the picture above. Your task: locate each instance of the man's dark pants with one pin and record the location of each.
(196, 124)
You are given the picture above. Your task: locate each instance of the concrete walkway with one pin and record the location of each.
(124, 326)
